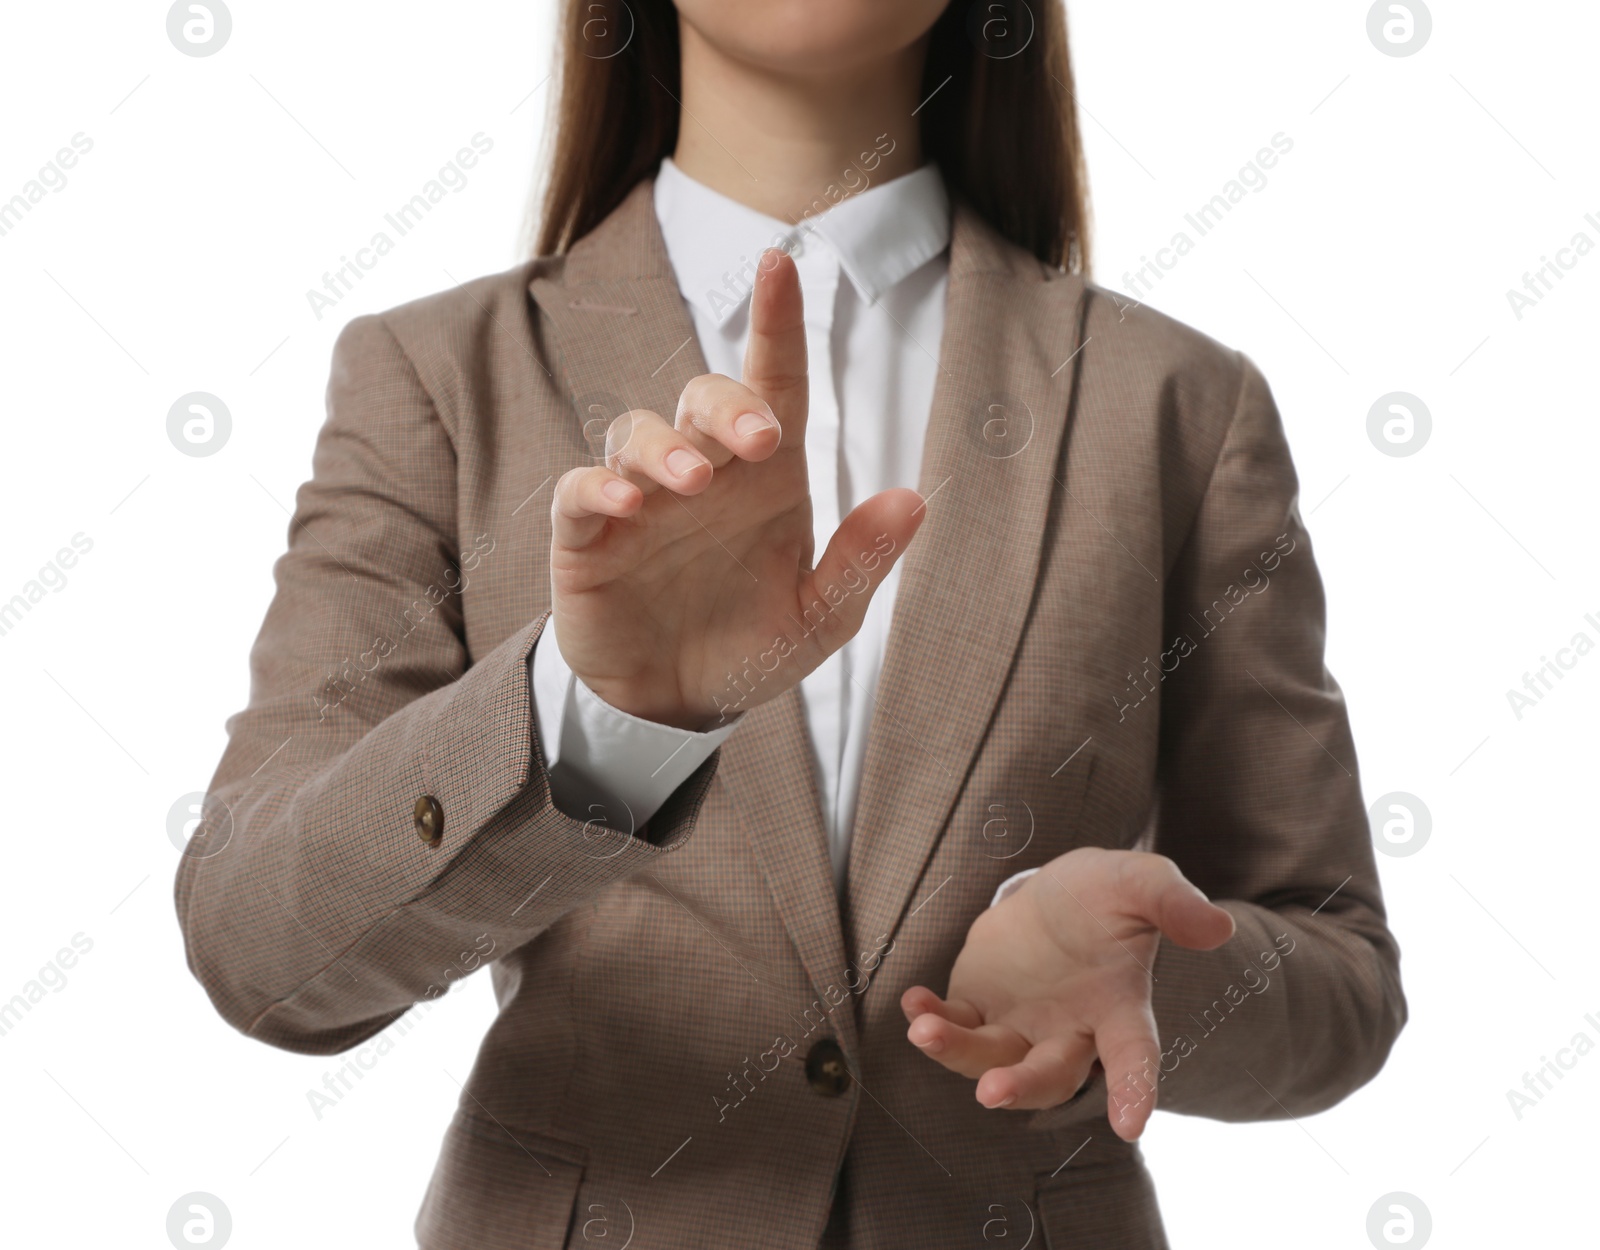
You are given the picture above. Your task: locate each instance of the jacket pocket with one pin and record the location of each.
(1111, 1207)
(499, 1189)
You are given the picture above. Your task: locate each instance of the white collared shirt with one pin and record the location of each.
(873, 272)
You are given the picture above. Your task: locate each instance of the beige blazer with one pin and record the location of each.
(1109, 632)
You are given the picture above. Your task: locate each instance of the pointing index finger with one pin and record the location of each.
(775, 356)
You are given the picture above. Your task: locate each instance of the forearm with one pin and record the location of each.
(327, 913)
(1291, 1015)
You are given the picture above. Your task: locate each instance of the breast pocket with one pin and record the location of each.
(1101, 1208)
(499, 1189)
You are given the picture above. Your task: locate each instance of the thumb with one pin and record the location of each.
(867, 545)
(1155, 889)
(1187, 917)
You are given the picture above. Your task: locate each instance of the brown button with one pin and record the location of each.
(428, 817)
(826, 1068)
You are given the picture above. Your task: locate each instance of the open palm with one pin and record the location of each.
(1058, 975)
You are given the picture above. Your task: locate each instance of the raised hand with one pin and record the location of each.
(681, 571)
(1060, 973)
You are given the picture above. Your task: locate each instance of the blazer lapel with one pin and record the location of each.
(995, 439)
(767, 770)
(625, 340)
(622, 334)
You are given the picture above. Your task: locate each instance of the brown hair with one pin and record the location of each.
(999, 116)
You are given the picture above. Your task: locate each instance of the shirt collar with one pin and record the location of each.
(879, 236)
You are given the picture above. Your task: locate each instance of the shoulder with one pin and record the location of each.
(1179, 387)
(1162, 357)
(1144, 356)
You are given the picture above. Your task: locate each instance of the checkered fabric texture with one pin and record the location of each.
(660, 988)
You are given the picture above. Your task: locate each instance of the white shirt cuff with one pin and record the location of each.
(606, 765)
(1011, 885)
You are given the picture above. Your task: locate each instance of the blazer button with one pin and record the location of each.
(826, 1068)
(428, 817)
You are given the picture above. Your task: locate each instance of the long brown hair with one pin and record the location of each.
(999, 115)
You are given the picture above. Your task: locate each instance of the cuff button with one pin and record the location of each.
(428, 818)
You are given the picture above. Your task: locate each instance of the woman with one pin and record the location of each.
(557, 680)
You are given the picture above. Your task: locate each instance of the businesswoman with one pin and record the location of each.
(708, 625)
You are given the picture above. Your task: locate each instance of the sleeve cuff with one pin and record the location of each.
(605, 765)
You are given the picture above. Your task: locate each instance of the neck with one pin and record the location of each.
(789, 146)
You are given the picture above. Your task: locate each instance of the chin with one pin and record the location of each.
(810, 36)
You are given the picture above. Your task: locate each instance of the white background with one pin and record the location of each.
(1377, 259)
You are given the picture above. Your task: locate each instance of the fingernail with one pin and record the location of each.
(999, 1105)
(933, 1046)
(681, 463)
(617, 492)
(751, 424)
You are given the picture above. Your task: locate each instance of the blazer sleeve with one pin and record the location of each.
(1259, 803)
(318, 899)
